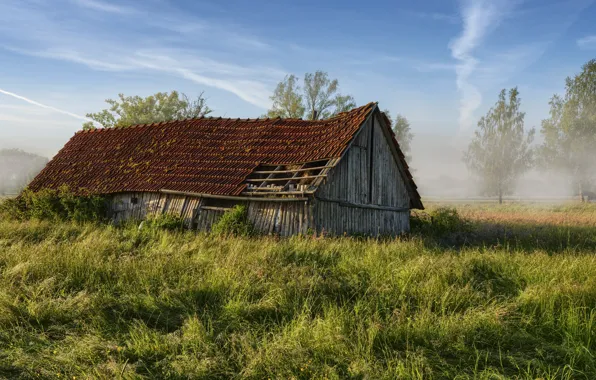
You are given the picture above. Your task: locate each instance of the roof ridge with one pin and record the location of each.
(190, 119)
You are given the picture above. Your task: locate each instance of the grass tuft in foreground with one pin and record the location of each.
(85, 300)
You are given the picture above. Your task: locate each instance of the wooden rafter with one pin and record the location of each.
(323, 174)
(276, 194)
(282, 179)
(290, 170)
(275, 183)
(272, 174)
(267, 197)
(266, 189)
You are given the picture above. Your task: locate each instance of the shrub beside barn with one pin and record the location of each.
(341, 175)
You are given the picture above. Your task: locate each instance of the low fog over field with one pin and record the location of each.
(17, 169)
(439, 171)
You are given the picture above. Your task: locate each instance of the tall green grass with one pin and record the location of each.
(96, 301)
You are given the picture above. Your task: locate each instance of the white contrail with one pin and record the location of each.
(479, 17)
(42, 105)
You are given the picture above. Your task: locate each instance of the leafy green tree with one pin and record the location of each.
(343, 103)
(162, 106)
(570, 131)
(318, 91)
(319, 99)
(500, 151)
(287, 100)
(403, 133)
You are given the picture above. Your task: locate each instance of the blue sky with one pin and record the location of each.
(439, 63)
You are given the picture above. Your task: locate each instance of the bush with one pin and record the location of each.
(447, 220)
(11, 208)
(440, 221)
(234, 222)
(166, 222)
(83, 209)
(54, 205)
(420, 221)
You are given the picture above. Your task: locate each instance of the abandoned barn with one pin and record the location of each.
(342, 175)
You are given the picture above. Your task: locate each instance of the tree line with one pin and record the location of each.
(502, 150)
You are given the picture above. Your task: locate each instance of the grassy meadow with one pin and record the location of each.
(509, 293)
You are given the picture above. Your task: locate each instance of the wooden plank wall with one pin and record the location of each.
(336, 219)
(350, 181)
(389, 188)
(281, 218)
(205, 218)
(121, 207)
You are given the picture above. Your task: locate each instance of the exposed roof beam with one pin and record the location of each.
(233, 198)
(282, 179)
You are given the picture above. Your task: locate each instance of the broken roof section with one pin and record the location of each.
(208, 156)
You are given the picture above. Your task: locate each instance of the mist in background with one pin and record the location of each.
(17, 169)
(439, 171)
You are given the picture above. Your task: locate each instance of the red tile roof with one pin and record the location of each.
(207, 155)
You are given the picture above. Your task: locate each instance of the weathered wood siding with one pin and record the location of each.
(122, 208)
(337, 219)
(364, 192)
(282, 218)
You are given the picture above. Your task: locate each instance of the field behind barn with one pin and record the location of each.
(509, 292)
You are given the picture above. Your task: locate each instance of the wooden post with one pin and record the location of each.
(370, 159)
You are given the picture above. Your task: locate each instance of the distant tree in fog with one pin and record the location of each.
(570, 131)
(500, 151)
(318, 99)
(162, 106)
(17, 169)
(403, 133)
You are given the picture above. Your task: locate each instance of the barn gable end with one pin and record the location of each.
(369, 185)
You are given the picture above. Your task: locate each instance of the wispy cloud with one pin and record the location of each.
(29, 116)
(33, 102)
(188, 52)
(587, 42)
(425, 67)
(479, 19)
(103, 6)
(435, 16)
(247, 42)
(483, 65)
(105, 63)
(252, 91)
(370, 59)
(206, 72)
